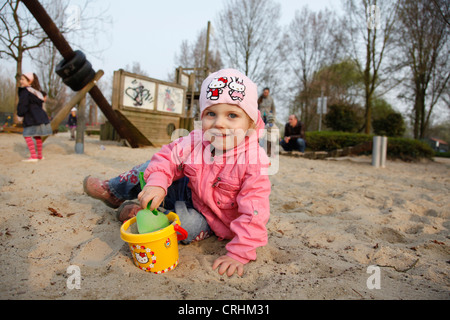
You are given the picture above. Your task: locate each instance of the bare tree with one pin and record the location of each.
(423, 42)
(46, 59)
(136, 68)
(443, 10)
(192, 55)
(250, 37)
(370, 25)
(18, 35)
(7, 87)
(310, 44)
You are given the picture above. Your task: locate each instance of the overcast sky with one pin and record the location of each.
(151, 32)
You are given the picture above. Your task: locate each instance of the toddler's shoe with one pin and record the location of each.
(127, 210)
(30, 160)
(99, 189)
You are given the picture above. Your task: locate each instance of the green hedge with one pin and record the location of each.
(442, 154)
(398, 148)
(332, 140)
(409, 149)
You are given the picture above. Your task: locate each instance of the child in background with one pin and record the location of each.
(72, 123)
(215, 179)
(35, 120)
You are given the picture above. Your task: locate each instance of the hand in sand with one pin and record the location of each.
(230, 264)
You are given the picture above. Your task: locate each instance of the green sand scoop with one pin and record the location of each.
(148, 220)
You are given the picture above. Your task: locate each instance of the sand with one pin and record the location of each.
(330, 221)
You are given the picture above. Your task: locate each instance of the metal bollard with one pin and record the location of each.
(379, 151)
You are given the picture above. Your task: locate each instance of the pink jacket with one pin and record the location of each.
(231, 190)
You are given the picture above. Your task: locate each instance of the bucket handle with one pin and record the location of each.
(182, 234)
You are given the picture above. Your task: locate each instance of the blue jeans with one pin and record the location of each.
(294, 145)
(127, 187)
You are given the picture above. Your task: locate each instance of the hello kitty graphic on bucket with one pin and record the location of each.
(141, 257)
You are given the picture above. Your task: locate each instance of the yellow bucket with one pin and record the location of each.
(157, 251)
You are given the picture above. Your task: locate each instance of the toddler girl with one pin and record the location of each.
(35, 120)
(215, 179)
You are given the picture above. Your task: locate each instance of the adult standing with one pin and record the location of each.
(294, 135)
(266, 105)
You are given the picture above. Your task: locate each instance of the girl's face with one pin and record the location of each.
(24, 82)
(225, 125)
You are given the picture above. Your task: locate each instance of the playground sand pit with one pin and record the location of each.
(330, 221)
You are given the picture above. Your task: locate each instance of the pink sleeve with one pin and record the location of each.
(164, 166)
(250, 227)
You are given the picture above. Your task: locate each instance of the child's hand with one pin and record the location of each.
(151, 193)
(228, 263)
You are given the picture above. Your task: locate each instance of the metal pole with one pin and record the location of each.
(383, 152)
(376, 151)
(379, 151)
(66, 51)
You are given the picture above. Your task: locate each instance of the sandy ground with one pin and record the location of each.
(330, 221)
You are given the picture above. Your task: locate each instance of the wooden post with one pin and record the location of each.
(50, 28)
(81, 126)
(192, 84)
(93, 114)
(208, 32)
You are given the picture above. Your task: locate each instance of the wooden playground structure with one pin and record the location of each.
(151, 108)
